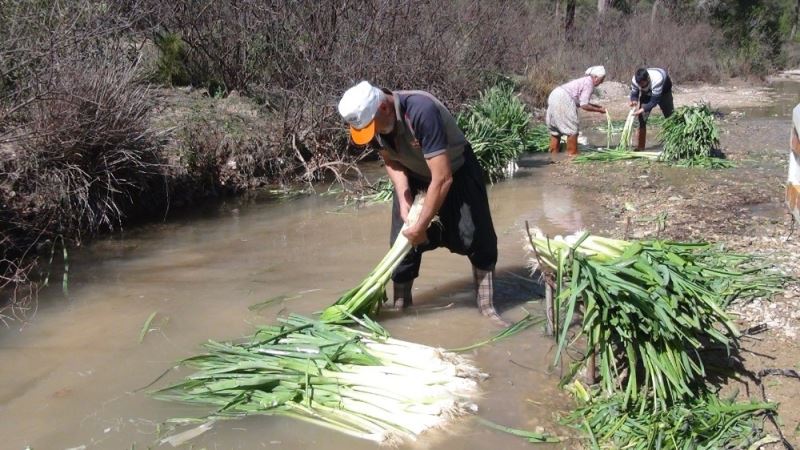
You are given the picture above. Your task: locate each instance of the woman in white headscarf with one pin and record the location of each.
(563, 104)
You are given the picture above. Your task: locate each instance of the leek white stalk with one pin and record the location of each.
(333, 376)
(369, 295)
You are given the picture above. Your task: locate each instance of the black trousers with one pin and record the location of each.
(466, 226)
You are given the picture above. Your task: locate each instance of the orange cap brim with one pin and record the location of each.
(364, 135)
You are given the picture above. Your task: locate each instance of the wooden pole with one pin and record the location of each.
(549, 312)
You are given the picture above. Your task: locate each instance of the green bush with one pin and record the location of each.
(171, 66)
(499, 128)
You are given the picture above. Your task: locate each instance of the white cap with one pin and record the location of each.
(359, 104)
(598, 71)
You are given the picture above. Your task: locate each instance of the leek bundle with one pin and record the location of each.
(690, 133)
(623, 150)
(537, 139)
(616, 126)
(627, 132)
(361, 383)
(649, 307)
(497, 125)
(615, 155)
(369, 295)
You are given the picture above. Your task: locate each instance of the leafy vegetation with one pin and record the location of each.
(361, 383)
(650, 311)
(500, 129)
(690, 133)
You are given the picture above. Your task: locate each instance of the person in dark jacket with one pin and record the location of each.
(424, 150)
(650, 88)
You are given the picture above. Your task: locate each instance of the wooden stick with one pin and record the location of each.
(548, 304)
(592, 375)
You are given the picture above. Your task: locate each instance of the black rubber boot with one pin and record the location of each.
(402, 295)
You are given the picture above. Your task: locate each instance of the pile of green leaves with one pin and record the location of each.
(650, 308)
(689, 133)
(537, 139)
(705, 422)
(650, 311)
(361, 383)
(499, 128)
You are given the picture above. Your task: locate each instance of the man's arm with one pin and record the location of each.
(634, 97)
(441, 180)
(647, 107)
(399, 179)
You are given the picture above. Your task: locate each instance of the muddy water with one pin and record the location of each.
(71, 376)
(784, 94)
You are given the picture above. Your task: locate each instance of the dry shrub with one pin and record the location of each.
(621, 43)
(89, 150)
(297, 58)
(540, 80)
(86, 154)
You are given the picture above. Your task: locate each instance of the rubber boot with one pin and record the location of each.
(484, 295)
(555, 144)
(555, 148)
(641, 136)
(572, 145)
(402, 295)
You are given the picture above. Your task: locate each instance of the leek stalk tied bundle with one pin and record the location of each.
(623, 150)
(649, 307)
(627, 132)
(369, 295)
(361, 383)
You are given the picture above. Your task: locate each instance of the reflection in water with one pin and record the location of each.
(560, 210)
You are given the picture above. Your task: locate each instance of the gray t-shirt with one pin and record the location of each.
(424, 129)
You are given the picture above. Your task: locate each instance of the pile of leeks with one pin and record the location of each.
(361, 383)
(650, 311)
(623, 150)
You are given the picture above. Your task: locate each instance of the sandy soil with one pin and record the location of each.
(741, 207)
(614, 95)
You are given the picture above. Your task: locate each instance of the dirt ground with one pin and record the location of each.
(741, 207)
(732, 95)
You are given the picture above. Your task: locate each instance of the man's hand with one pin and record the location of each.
(416, 235)
(638, 111)
(633, 103)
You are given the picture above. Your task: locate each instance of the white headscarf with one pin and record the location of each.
(597, 71)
